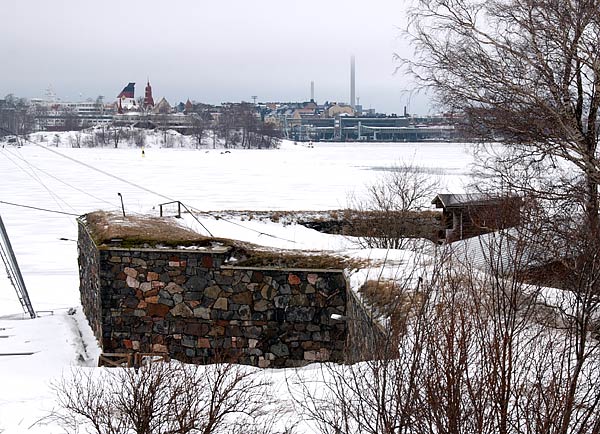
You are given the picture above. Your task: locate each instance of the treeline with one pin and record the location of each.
(15, 116)
(232, 125)
(236, 125)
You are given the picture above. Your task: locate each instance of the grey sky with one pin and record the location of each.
(209, 51)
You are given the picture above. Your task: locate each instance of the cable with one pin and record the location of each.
(143, 188)
(39, 209)
(36, 178)
(245, 227)
(64, 182)
(89, 166)
(197, 219)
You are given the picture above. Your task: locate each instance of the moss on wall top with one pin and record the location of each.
(112, 230)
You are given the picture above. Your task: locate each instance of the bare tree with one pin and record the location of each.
(382, 394)
(101, 136)
(199, 125)
(387, 215)
(75, 139)
(526, 73)
(139, 137)
(16, 116)
(163, 398)
(70, 118)
(114, 134)
(484, 350)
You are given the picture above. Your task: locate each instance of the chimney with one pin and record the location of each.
(352, 84)
(312, 91)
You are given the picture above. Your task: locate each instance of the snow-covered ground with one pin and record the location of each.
(79, 180)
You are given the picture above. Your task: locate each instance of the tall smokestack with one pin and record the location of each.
(352, 83)
(312, 91)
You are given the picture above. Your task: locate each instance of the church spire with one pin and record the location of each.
(148, 100)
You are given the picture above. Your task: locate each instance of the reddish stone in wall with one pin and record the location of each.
(293, 279)
(157, 309)
(207, 261)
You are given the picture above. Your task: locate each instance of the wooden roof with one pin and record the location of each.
(448, 201)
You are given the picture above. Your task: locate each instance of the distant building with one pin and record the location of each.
(372, 128)
(60, 115)
(126, 98)
(148, 99)
(339, 109)
(162, 107)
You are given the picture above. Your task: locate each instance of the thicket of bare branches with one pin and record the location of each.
(483, 351)
(165, 398)
(239, 126)
(526, 73)
(387, 216)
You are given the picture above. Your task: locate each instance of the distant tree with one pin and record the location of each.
(16, 116)
(75, 140)
(268, 135)
(71, 120)
(115, 134)
(101, 136)
(199, 126)
(240, 125)
(226, 124)
(248, 122)
(139, 137)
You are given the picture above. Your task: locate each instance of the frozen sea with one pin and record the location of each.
(79, 180)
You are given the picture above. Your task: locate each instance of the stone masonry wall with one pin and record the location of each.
(189, 304)
(89, 270)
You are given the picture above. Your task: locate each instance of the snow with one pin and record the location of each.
(294, 177)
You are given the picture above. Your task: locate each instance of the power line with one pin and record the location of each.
(63, 182)
(39, 209)
(245, 227)
(89, 166)
(133, 184)
(36, 178)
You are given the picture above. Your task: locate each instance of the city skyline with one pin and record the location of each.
(213, 53)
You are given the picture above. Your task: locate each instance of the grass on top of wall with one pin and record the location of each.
(110, 229)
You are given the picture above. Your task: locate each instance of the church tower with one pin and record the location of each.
(148, 100)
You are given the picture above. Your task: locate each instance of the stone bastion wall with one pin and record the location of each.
(193, 306)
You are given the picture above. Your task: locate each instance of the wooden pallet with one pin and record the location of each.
(114, 360)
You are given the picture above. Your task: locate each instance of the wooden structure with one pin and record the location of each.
(470, 215)
(130, 360)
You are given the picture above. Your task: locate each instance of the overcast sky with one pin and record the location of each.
(208, 51)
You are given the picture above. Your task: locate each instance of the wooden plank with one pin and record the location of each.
(115, 359)
(131, 359)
